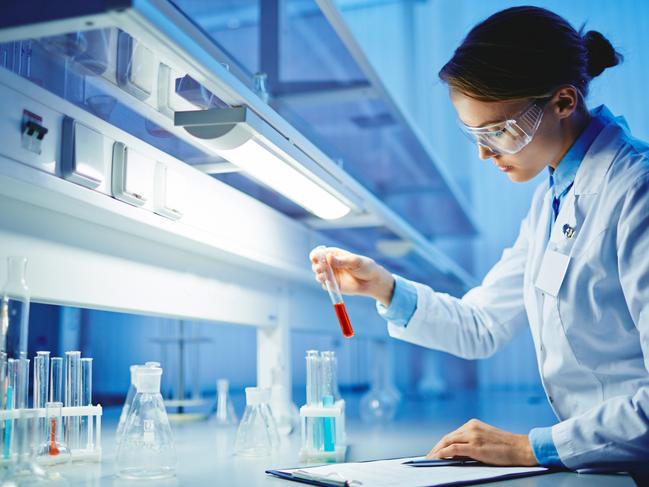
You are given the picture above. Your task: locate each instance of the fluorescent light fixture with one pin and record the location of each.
(243, 138)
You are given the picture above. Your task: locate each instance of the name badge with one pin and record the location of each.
(552, 271)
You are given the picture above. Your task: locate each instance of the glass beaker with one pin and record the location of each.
(225, 414)
(257, 435)
(146, 449)
(379, 404)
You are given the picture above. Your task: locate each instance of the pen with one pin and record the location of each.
(441, 462)
(324, 479)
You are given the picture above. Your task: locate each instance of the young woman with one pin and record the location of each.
(578, 273)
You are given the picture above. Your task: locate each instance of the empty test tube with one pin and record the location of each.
(56, 379)
(40, 383)
(72, 397)
(86, 400)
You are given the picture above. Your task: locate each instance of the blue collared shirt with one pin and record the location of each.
(404, 298)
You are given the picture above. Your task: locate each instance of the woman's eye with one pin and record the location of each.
(496, 135)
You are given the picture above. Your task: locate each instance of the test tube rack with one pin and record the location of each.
(92, 413)
(308, 453)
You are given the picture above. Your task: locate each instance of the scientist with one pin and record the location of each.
(578, 272)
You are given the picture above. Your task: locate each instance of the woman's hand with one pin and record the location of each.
(487, 444)
(356, 274)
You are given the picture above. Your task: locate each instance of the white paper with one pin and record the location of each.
(391, 473)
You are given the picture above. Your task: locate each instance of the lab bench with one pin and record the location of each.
(205, 451)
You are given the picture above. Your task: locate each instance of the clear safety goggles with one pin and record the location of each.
(508, 136)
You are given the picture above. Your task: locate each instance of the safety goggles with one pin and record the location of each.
(508, 136)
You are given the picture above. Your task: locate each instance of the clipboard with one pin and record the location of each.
(388, 472)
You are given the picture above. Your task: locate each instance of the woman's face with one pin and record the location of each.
(546, 148)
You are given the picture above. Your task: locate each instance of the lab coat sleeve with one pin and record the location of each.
(616, 433)
(479, 323)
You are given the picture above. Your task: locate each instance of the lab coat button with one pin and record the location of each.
(551, 400)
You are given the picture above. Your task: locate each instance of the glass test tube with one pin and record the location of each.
(72, 397)
(86, 400)
(41, 375)
(335, 295)
(313, 398)
(12, 378)
(56, 379)
(54, 442)
(329, 358)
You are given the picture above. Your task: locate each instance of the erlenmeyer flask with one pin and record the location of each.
(146, 450)
(225, 414)
(257, 434)
(130, 395)
(379, 404)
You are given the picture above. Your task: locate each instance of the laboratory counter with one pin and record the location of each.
(205, 451)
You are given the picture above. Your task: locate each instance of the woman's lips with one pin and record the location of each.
(505, 168)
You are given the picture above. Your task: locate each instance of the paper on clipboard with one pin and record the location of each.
(392, 473)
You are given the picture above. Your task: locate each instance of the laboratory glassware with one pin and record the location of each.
(132, 390)
(285, 412)
(330, 374)
(225, 414)
(14, 329)
(379, 404)
(54, 450)
(56, 379)
(146, 449)
(73, 397)
(40, 383)
(314, 426)
(87, 433)
(257, 435)
(331, 283)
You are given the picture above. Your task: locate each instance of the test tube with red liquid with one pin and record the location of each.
(334, 293)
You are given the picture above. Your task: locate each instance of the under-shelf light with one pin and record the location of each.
(244, 139)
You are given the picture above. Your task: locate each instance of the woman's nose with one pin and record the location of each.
(485, 153)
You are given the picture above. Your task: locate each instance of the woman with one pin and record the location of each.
(578, 273)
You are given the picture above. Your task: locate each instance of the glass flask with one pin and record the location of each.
(257, 435)
(127, 403)
(379, 404)
(146, 449)
(286, 414)
(225, 414)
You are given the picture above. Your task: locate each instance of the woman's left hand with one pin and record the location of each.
(487, 444)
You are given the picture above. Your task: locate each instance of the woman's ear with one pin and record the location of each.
(566, 101)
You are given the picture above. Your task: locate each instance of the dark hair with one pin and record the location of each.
(526, 52)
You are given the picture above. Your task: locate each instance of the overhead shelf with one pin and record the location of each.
(175, 65)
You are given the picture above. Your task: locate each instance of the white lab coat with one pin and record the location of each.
(585, 298)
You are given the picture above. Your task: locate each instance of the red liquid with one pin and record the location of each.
(53, 448)
(343, 319)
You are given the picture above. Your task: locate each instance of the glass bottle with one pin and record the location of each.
(257, 435)
(146, 449)
(14, 328)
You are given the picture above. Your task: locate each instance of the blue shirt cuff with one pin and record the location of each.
(403, 304)
(543, 447)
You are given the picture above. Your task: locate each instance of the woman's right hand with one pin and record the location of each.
(356, 274)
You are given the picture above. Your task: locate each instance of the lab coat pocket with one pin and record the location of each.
(552, 271)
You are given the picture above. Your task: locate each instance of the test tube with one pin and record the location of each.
(331, 284)
(313, 398)
(41, 372)
(10, 401)
(86, 400)
(330, 361)
(72, 396)
(56, 379)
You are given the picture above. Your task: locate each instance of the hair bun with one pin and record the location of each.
(601, 54)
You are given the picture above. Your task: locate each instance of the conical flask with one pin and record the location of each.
(130, 395)
(257, 434)
(146, 450)
(379, 404)
(225, 414)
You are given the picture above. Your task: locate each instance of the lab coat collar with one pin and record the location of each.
(601, 153)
